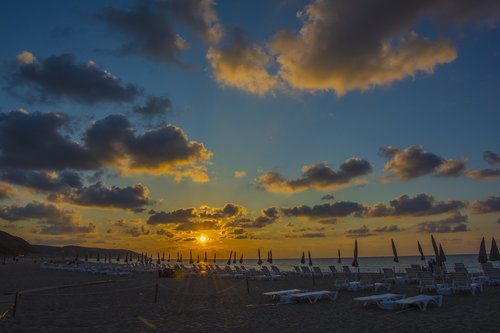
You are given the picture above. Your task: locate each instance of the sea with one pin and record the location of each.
(366, 264)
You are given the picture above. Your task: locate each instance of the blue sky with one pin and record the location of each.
(279, 103)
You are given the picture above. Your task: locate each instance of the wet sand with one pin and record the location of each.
(211, 304)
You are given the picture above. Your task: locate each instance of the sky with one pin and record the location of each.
(286, 125)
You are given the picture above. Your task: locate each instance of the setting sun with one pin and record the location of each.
(203, 238)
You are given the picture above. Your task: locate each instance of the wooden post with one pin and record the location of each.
(248, 287)
(14, 307)
(156, 293)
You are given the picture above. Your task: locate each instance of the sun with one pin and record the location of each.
(203, 238)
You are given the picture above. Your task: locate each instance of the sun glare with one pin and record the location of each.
(203, 238)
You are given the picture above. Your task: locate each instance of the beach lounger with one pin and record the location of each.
(273, 276)
(421, 301)
(427, 281)
(276, 295)
(311, 296)
(461, 282)
(333, 269)
(318, 272)
(376, 299)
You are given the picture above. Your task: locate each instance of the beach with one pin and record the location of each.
(127, 304)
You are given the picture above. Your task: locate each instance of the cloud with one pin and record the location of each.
(242, 65)
(484, 174)
(388, 228)
(318, 176)
(453, 223)
(98, 195)
(6, 191)
(327, 197)
(50, 218)
(240, 174)
(308, 235)
(136, 231)
(490, 205)
(163, 232)
(60, 76)
(109, 142)
(44, 181)
(154, 106)
(491, 157)
(327, 210)
(150, 26)
(413, 162)
(332, 51)
(362, 231)
(229, 210)
(176, 216)
(420, 205)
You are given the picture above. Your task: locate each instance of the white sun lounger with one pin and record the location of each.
(378, 298)
(276, 295)
(421, 301)
(311, 296)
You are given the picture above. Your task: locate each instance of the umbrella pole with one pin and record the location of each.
(248, 286)
(313, 278)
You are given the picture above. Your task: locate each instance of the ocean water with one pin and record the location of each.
(366, 264)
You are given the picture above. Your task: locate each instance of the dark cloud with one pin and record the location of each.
(267, 216)
(203, 225)
(420, 205)
(136, 231)
(414, 162)
(150, 26)
(109, 142)
(362, 231)
(453, 223)
(229, 210)
(388, 228)
(327, 210)
(490, 205)
(154, 106)
(166, 233)
(176, 216)
(318, 176)
(327, 197)
(50, 218)
(484, 174)
(43, 180)
(98, 195)
(61, 76)
(308, 235)
(491, 157)
(44, 148)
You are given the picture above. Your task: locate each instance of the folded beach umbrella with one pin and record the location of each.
(98, 257)
(230, 257)
(87, 256)
(234, 258)
(494, 254)
(151, 258)
(126, 256)
(168, 260)
(163, 256)
(309, 256)
(442, 256)
(436, 250)
(241, 259)
(259, 262)
(190, 257)
(215, 257)
(340, 259)
(483, 257)
(394, 251)
(205, 258)
(355, 261)
(303, 260)
(422, 257)
(198, 259)
(180, 258)
(270, 256)
(158, 260)
(117, 257)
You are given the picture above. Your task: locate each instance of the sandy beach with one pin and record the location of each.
(211, 304)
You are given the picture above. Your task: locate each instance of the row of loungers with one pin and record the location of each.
(384, 301)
